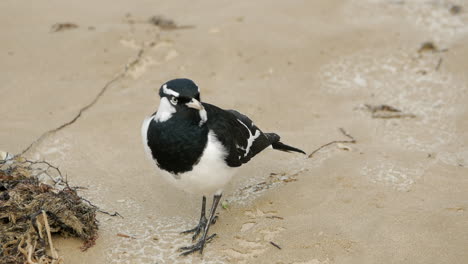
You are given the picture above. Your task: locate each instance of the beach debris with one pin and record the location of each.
(31, 211)
(159, 21)
(382, 107)
(63, 26)
(225, 204)
(166, 23)
(125, 236)
(351, 140)
(455, 9)
(162, 22)
(428, 46)
(343, 147)
(275, 245)
(5, 155)
(458, 209)
(386, 112)
(275, 217)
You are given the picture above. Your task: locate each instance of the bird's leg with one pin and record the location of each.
(201, 224)
(204, 239)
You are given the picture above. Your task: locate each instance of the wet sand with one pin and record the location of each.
(302, 69)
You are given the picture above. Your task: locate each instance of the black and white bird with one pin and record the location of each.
(198, 146)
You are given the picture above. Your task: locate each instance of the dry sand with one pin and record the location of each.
(299, 68)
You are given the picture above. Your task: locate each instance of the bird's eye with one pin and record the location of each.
(174, 100)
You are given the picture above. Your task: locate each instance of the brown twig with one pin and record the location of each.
(99, 210)
(275, 217)
(49, 236)
(386, 112)
(125, 236)
(352, 140)
(383, 107)
(275, 245)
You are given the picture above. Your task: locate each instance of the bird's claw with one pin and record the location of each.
(197, 230)
(196, 247)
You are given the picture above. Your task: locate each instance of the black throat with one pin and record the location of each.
(177, 143)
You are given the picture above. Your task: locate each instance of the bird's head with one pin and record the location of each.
(180, 96)
(181, 93)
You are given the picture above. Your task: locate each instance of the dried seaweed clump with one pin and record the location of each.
(36, 202)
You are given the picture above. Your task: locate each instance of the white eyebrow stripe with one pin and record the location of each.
(169, 91)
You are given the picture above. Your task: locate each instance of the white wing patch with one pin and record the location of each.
(250, 140)
(165, 110)
(169, 91)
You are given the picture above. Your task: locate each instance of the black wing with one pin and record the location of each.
(241, 138)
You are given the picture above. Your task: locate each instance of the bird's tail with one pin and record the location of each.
(276, 144)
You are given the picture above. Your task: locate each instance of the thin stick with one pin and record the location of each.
(275, 245)
(30, 250)
(49, 236)
(125, 236)
(39, 228)
(21, 249)
(275, 217)
(99, 210)
(352, 140)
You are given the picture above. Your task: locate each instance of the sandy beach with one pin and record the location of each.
(89, 72)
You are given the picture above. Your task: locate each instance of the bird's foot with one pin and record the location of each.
(199, 228)
(197, 246)
(203, 225)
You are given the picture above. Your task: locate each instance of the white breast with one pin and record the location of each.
(211, 173)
